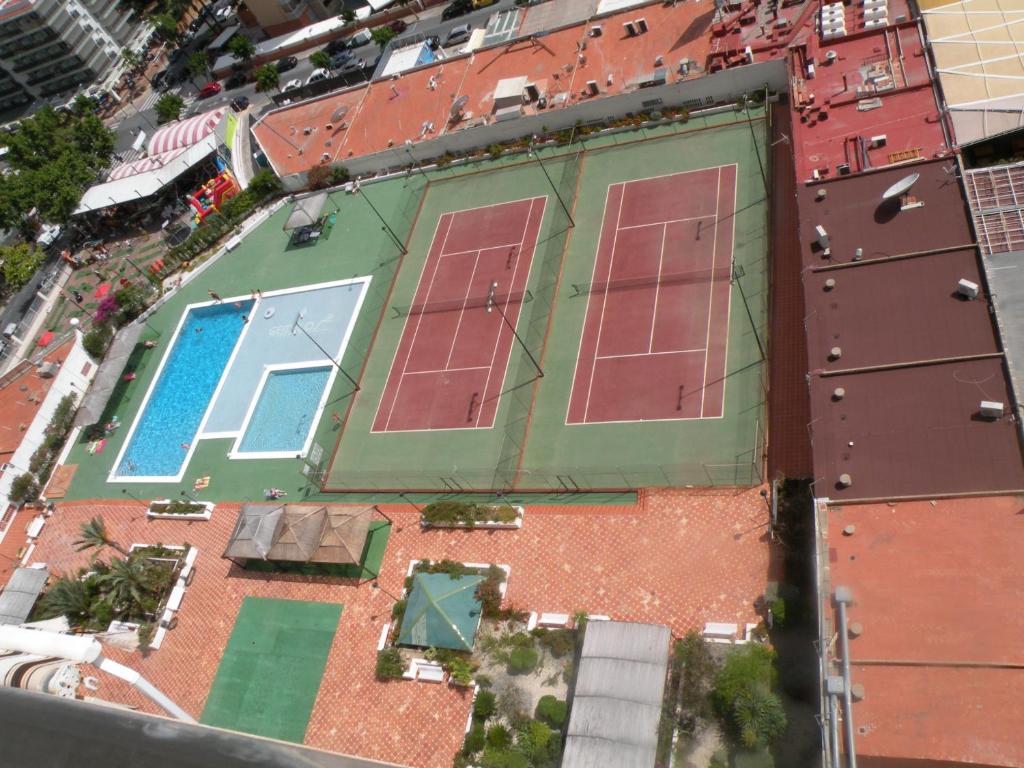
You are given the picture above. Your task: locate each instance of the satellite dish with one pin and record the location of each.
(339, 113)
(901, 187)
(456, 110)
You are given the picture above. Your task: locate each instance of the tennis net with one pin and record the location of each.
(674, 278)
(453, 305)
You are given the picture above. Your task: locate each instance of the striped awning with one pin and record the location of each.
(185, 133)
(144, 165)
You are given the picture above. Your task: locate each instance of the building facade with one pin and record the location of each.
(50, 47)
(278, 17)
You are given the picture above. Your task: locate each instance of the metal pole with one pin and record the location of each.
(324, 351)
(376, 586)
(408, 151)
(492, 304)
(536, 154)
(737, 273)
(390, 231)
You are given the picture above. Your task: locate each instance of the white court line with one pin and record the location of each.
(657, 287)
(652, 354)
(669, 221)
(484, 248)
(419, 319)
(462, 312)
(711, 293)
(604, 302)
(497, 338)
(448, 370)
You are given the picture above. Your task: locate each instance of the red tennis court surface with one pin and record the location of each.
(655, 334)
(450, 363)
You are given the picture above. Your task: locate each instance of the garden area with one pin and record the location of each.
(131, 588)
(721, 706)
(459, 514)
(451, 618)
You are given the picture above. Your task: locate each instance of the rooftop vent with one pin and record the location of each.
(845, 480)
(991, 409)
(48, 370)
(856, 629)
(830, 284)
(835, 353)
(967, 289)
(849, 530)
(857, 691)
(838, 393)
(822, 236)
(858, 254)
(821, 194)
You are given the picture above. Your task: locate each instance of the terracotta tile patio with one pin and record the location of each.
(678, 557)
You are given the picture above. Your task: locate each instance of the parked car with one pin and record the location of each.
(196, 23)
(240, 103)
(286, 64)
(159, 81)
(237, 80)
(174, 55)
(291, 85)
(318, 74)
(223, 14)
(458, 34)
(360, 38)
(340, 59)
(210, 89)
(352, 66)
(398, 26)
(456, 9)
(336, 46)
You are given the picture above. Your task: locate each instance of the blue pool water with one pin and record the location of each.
(183, 390)
(285, 410)
(426, 56)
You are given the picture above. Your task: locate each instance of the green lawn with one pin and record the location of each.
(270, 673)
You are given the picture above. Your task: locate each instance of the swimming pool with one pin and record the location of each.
(162, 435)
(285, 411)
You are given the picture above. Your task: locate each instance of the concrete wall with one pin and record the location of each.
(720, 87)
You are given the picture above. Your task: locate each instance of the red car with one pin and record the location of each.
(210, 89)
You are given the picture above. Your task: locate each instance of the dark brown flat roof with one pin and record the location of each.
(914, 431)
(854, 215)
(897, 311)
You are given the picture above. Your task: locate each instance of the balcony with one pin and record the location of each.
(50, 53)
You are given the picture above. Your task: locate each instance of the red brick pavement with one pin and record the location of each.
(679, 557)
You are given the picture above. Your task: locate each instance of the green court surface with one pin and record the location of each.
(356, 246)
(531, 447)
(270, 673)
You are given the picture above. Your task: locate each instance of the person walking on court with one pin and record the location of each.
(215, 296)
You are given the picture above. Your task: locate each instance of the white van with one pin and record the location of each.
(362, 37)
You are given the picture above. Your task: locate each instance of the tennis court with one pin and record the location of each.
(454, 351)
(654, 338)
(269, 676)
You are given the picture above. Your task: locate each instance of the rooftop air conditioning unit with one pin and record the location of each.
(48, 370)
(641, 24)
(990, 409)
(967, 289)
(630, 29)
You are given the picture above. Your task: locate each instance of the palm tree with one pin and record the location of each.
(242, 48)
(268, 78)
(67, 597)
(759, 715)
(126, 583)
(94, 534)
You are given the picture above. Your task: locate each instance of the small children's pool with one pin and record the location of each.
(285, 411)
(174, 409)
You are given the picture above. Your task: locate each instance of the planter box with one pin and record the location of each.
(485, 524)
(154, 512)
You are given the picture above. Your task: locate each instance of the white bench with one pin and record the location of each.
(383, 636)
(431, 673)
(174, 602)
(557, 620)
(719, 632)
(598, 617)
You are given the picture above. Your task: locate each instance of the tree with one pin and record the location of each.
(264, 183)
(382, 36)
(268, 78)
(94, 534)
(348, 15)
(753, 664)
(19, 262)
(67, 597)
(242, 48)
(131, 59)
(56, 156)
(197, 65)
(168, 107)
(759, 716)
(321, 60)
(24, 488)
(125, 583)
(166, 26)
